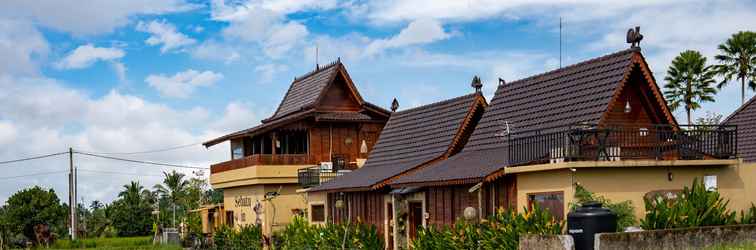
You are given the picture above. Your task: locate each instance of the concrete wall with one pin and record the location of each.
(546, 242)
(281, 207)
(734, 182)
(253, 175)
(690, 238)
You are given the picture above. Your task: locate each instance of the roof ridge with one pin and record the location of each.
(436, 103)
(739, 109)
(317, 69)
(572, 66)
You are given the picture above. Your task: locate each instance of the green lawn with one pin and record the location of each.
(740, 246)
(121, 243)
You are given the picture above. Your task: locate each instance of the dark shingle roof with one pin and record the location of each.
(745, 119)
(343, 116)
(573, 94)
(306, 90)
(410, 138)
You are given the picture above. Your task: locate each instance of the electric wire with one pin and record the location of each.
(139, 161)
(32, 158)
(35, 174)
(115, 173)
(146, 151)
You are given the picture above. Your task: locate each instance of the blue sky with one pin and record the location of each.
(125, 76)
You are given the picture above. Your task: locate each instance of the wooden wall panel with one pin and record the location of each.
(446, 204)
(365, 207)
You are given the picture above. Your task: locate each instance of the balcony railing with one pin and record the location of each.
(592, 143)
(314, 176)
(252, 160)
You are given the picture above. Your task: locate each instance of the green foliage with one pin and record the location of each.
(748, 216)
(499, 231)
(624, 210)
(246, 237)
(694, 207)
(737, 60)
(33, 206)
(689, 82)
(131, 215)
(301, 235)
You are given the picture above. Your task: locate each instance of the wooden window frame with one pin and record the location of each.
(312, 214)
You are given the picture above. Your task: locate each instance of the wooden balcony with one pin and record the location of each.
(254, 160)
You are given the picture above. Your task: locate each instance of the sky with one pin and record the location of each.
(126, 76)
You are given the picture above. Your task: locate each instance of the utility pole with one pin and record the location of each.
(72, 193)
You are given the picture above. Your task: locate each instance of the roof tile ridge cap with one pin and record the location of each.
(738, 110)
(317, 70)
(572, 66)
(435, 103)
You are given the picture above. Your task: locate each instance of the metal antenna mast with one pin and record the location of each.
(560, 42)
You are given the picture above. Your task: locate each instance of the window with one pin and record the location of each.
(317, 213)
(552, 201)
(237, 150)
(292, 142)
(230, 218)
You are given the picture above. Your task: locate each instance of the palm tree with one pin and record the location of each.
(737, 59)
(173, 188)
(689, 82)
(132, 192)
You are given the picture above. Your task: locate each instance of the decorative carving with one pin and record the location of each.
(476, 84)
(394, 105)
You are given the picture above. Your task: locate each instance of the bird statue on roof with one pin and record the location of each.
(476, 84)
(394, 105)
(634, 37)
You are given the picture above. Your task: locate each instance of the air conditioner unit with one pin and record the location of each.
(326, 166)
(556, 155)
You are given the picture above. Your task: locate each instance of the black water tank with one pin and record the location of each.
(587, 220)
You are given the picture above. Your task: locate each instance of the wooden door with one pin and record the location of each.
(389, 226)
(415, 219)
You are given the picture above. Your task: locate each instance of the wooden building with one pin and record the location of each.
(321, 129)
(745, 120)
(412, 139)
(602, 123)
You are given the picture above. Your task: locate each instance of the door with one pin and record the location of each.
(389, 226)
(415, 218)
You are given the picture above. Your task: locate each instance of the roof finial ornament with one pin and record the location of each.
(502, 82)
(476, 84)
(634, 37)
(394, 105)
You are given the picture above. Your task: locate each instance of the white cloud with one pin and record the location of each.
(120, 70)
(183, 84)
(214, 50)
(268, 71)
(7, 133)
(236, 116)
(164, 33)
(88, 17)
(417, 32)
(21, 47)
(85, 55)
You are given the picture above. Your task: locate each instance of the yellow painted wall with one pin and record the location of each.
(283, 205)
(316, 198)
(262, 174)
(735, 182)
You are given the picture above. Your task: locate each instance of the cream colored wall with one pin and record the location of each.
(287, 200)
(316, 198)
(252, 175)
(735, 182)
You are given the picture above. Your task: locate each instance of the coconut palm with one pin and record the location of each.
(173, 189)
(737, 59)
(689, 82)
(132, 193)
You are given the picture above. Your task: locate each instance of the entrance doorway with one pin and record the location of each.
(415, 219)
(390, 225)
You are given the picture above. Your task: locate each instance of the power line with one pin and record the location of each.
(139, 161)
(33, 158)
(116, 173)
(146, 151)
(30, 175)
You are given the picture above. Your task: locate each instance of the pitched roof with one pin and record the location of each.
(577, 93)
(745, 118)
(410, 139)
(303, 95)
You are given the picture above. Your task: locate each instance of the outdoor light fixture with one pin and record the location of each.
(627, 107)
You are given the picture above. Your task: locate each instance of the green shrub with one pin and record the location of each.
(301, 235)
(246, 237)
(625, 210)
(694, 207)
(748, 216)
(500, 231)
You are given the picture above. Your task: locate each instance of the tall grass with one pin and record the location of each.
(142, 242)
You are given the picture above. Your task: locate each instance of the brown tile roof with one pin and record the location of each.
(303, 94)
(559, 98)
(745, 118)
(410, 139)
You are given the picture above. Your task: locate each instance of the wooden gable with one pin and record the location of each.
(339, 96)
(638, 89)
